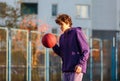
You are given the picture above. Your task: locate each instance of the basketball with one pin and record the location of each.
(49, 40)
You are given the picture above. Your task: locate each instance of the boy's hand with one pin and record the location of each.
(78, 69)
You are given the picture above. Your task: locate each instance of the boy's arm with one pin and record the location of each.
(84, 48)
(56, 49)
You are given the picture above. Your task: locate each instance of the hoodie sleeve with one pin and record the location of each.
(83, 47)
(56, 49)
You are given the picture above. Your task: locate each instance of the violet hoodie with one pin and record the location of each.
(73, 49)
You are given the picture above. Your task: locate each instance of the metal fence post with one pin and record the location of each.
(101, 58)
(113, 64)
(9, 56)
(47, 65)
(91, 61)
(28, 56)
(116, 55)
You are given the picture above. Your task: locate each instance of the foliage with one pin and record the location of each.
(10, 14)
(28, 22)
(2, 9)
(13, 17)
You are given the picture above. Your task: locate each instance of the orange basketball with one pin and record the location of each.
(49, 40)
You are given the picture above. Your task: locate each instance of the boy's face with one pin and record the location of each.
(64, 26)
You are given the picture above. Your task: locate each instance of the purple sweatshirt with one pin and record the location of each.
(73, 49)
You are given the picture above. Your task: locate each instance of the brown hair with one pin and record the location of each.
(63, 18)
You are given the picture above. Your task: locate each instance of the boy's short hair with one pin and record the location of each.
(63, 18)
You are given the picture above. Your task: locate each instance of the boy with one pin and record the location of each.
(73, 49)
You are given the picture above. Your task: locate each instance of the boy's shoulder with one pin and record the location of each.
(76, 28)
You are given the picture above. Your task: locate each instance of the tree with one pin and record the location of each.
(11, 15)
(2, 9)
